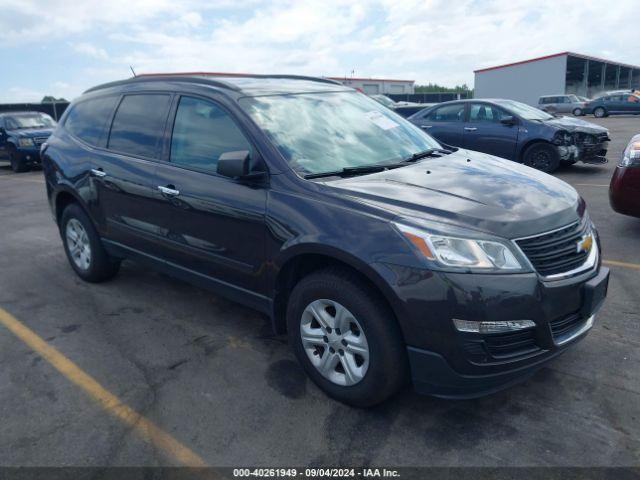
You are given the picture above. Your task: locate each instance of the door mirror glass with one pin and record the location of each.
(508, 120)
(234, 164)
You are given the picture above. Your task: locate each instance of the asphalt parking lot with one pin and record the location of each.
(220, 388)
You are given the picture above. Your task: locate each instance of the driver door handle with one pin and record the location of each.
(426, 126)
(169, 190)
(470, 129)
(98, 172)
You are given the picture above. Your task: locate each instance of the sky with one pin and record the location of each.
(62, 47)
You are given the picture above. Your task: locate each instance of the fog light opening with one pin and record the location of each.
(470, 326)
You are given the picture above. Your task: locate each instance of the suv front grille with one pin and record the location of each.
(556, 252)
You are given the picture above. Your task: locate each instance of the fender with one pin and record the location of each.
(374, 271)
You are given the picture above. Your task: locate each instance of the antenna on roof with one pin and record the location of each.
(133, 71)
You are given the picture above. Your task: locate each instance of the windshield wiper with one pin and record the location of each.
(355, 170)
(430, 152)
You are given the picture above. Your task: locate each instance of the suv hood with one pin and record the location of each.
(575, 125)
(470, 190)
(31, 132)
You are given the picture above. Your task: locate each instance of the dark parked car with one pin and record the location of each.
(515, 131)
(617, 104)
(624, 190)
(383, 254)
(21, 135)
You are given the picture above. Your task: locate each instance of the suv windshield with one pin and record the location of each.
(324, 132)
(32, 120)
(523, 110)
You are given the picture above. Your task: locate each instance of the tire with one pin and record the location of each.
(16, 165)
(600, 112)
(578, 112)
(95, 265)
(541, 156)
(374, 376)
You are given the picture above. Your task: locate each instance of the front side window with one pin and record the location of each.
(202, 132)
(323, 132)
(480, 112)
(87, 120)
(139, 124)
(448, 113)
(29, 120)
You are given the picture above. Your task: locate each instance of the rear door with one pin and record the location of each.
(484, 132)
(210, 224)
(444, 123)
(123, 173)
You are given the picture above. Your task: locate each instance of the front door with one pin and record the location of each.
(484, 132)
(212, 225)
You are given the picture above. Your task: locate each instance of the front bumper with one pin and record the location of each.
(448, 363)
(624, 190)
(29, 155)
(595, 153)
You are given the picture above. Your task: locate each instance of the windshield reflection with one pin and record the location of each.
(323, 132)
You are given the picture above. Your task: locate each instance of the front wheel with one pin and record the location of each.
(83, 246)
(541, 156)
(17, 165)
(599, 112)
(346, 338)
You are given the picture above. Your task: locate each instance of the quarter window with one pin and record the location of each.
(87, 120)
(139, 124)
(201, 133)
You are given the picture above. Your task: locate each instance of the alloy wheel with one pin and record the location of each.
(335, 342)
(78, 244)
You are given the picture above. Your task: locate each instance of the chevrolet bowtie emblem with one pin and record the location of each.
(584, 244)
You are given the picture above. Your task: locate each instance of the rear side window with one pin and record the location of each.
(201, 133)
(448, 113)
(87, 120)
(138, 124)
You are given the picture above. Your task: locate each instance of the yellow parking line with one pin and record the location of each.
(590, 185)
(615, 263)
(108, 401)
(30, 180)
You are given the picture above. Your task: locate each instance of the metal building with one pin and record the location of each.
(565, 72)
(372, 86)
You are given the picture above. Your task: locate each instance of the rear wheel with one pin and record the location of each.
(17, 165)
(346, 338)
(541, 156)
(84, 248)
(578, 112)
(599, 112)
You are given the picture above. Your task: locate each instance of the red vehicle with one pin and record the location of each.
(624, 191)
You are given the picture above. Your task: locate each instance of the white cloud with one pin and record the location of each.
(427, 40)
(91, 51)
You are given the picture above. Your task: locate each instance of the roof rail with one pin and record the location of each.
(300, 77)
(164, 77)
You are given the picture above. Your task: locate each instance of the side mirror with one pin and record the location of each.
(237, 165)
(508, 120)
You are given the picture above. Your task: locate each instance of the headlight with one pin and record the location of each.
(562, 138)
(462, 253)
(631, 155)
(25, 142)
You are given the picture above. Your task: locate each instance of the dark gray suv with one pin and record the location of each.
(383, 254)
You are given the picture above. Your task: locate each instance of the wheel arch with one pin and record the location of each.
(529, 144)
(303, 260)
(62, 198)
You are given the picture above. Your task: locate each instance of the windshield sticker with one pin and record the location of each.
(381, 121)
